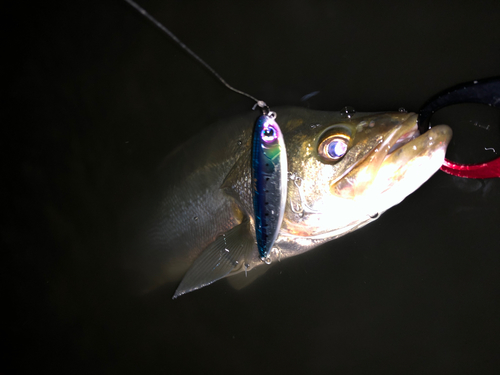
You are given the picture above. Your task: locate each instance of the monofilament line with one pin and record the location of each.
(158, 24)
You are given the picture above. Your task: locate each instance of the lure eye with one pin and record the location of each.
(333, 147)
(269, 134)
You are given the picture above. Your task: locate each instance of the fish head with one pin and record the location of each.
(345, 171)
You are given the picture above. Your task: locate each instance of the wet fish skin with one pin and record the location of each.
(203, 227)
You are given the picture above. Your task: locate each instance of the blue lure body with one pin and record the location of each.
(270, 174)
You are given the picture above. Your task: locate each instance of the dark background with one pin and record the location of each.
(96, 97)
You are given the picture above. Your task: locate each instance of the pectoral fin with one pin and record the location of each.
(222, 256)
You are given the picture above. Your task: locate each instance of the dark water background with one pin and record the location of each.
(96, 97)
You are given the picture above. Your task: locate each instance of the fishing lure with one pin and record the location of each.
(269, 162)
(270, 175)
(485, 91)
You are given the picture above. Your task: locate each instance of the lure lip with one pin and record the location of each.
(484, 91)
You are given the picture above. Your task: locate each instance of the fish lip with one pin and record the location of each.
(407, 132)
(430, 145)
(404, 139)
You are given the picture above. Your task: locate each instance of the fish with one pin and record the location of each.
(345, 169)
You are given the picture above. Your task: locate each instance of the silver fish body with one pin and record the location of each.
(203, 229)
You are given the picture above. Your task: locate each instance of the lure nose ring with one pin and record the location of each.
(485, 91)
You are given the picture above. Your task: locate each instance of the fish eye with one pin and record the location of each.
(337, 148)
(333, 147)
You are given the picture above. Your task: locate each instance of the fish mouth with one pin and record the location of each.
(408, 136)
(407, 144)
(411, 159)
(399, 137)
(401, 152)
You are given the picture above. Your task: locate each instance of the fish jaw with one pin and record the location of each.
(399, 162)
(407, 168)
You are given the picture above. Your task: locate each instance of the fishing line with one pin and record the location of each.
(162, 27)
(269, 161)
